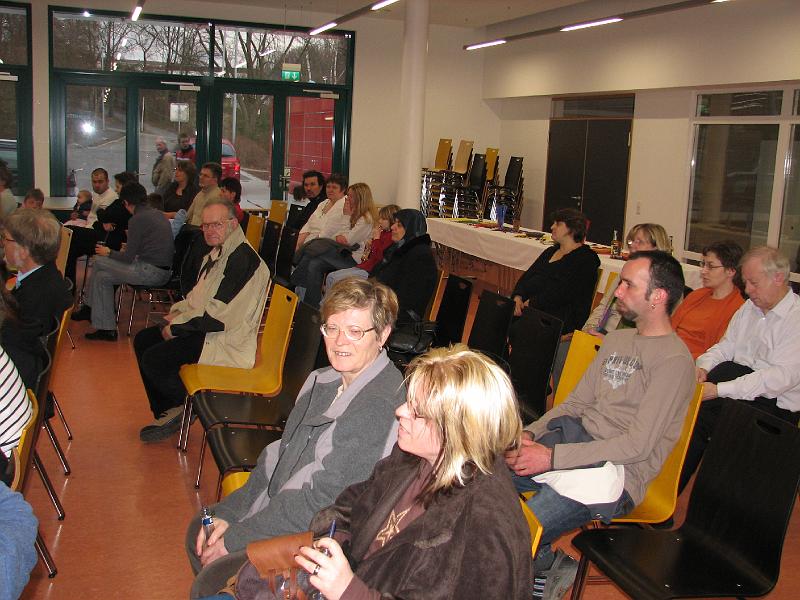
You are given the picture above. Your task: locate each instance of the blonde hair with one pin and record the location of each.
(361, 203)
(655, 234)
(85, 194)
(354, 292)
(470, 402)
(388, 212)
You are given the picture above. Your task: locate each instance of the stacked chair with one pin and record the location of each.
(510, 193)
(437, 198)
(431, 179)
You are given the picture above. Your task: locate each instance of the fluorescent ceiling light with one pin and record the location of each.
(325, 27)
(591, 24)
(383, 4)
(138, 10)
(485, 45)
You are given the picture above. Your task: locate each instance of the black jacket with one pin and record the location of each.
(563, 289)
(299, 215)
(116, 214)
(411, 272)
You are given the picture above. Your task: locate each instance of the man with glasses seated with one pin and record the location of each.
(217, 323)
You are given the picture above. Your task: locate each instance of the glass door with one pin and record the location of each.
(310, 138)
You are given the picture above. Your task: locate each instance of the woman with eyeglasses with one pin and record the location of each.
(703, 316)
(342, 423)
(438, 518)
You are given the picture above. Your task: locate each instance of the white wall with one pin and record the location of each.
(454, 104)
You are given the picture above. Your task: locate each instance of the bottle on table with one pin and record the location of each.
(616, 246)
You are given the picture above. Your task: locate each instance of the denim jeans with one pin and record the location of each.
(108, 272)
(558, 514)
(336, 276)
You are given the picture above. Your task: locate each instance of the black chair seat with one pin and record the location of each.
(736, 522)
(218, 408)
(669, 564)
(237, 448)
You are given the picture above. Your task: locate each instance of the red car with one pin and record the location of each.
(230, 162)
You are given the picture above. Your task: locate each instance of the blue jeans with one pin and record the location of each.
(558, 515)
(108, 272)
(336, 276)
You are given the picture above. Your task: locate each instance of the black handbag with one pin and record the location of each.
(412, 338)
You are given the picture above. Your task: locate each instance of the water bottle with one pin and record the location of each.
(207, 521)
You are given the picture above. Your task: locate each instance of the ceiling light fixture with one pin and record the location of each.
(591, 24)
(137, 10)
(646, 12)
(352, 15)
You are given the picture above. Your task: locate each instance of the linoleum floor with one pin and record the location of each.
(127, 503)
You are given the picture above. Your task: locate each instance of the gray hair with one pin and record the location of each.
(772, 261)
(36, 230)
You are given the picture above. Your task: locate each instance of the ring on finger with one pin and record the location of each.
(316, 570)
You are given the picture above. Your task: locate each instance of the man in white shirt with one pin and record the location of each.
(102, 195)
(758, 359)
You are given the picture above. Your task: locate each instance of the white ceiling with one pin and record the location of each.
(461, 13)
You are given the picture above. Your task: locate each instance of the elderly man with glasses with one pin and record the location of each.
(217, 323)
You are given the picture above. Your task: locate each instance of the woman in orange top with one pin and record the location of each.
(702, 318)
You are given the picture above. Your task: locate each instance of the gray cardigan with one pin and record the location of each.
(326, 446)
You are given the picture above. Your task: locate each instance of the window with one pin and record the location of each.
(587, 108)
(13, 36)
(249, 53)
(745, 182)
(105, 43)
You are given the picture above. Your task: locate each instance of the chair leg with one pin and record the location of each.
(134, 293)
(580, 578)
(120, 291)
(186, 422)
(202, 456)
(48, 485)
(219, 485)
(61, 416)
(71, 340)
(44, 554)
(57, 446)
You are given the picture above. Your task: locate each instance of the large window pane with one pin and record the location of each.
(8, 130)
(95, 131)
(310, 137)
(163, 114)
(734, 167)
(249, 53)
(247, 145)
(790, 221)
(740, 104)
(102, 43)
(13, 36)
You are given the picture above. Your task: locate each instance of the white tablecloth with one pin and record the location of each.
(503, 248)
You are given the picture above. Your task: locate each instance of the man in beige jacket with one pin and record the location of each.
(217, 323)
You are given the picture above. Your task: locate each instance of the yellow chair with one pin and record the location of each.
(443, 153)
(533, 525)
(463, 156)
(582, 351)
(441, 280)
(595, 299)
(22, 455)
(266, 376)
(255, 229)
(611, 284)
(233, 481)
(277, 211)
(64, 241)
(492, 155)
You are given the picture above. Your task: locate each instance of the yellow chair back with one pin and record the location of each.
(582, 351)
(233, 481)
(443, 152)
(611, 283)
(492, 155)
(64, 241)
(255, 229)
(462, 156)
(21, 455)
(277, 211)
(662, 493)
(533, 525)
(440, 283)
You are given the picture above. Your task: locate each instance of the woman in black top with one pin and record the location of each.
(408, 265)
(562, 280)
(181, 192)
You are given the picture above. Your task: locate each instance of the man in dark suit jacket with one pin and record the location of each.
(31, 240)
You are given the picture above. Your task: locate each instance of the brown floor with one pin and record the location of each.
(128, 503)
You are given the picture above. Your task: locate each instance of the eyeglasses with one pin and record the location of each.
(637, 242)
(705, 265)
(216, 226)
(354, 333)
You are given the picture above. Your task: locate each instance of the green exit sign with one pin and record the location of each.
(290, 72)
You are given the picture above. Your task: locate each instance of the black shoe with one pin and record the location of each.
(84, 313)
(167, 424)
(105, 335)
